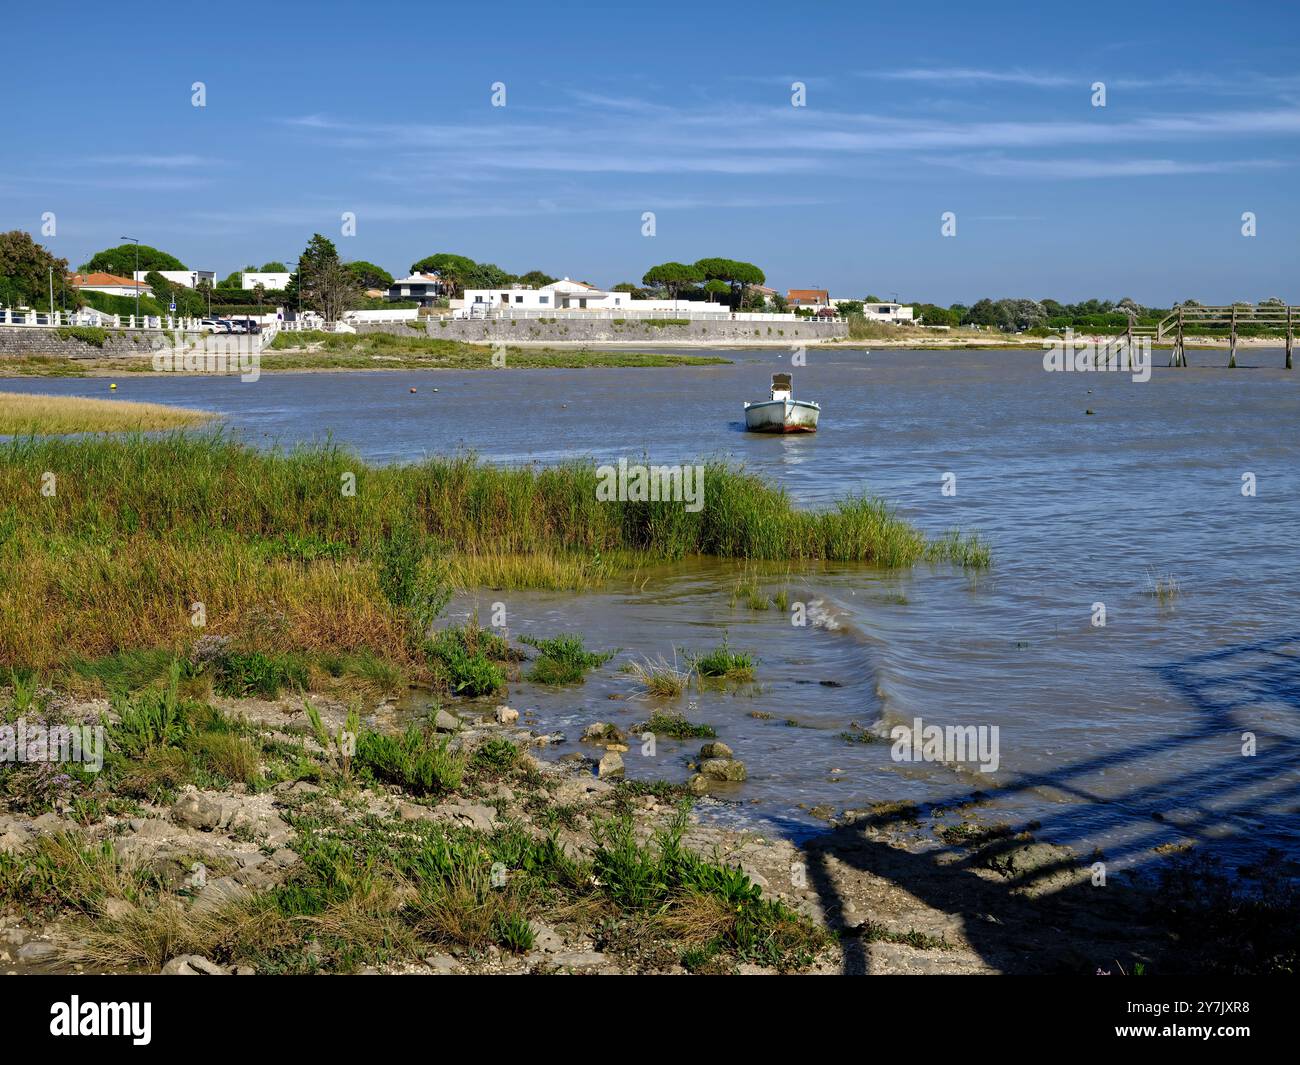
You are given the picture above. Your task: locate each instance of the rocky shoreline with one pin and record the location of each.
(874, 894)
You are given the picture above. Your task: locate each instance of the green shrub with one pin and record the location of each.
(87, 334)
(417, 761)
(466, 656)
(260, 674)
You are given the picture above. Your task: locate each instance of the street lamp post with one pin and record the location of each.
(134, 278)
(298, 264)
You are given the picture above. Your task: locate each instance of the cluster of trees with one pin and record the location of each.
(709, 279)
(122, 260)
(25, 268)
(1048, 315)
(459, 272)
(1022, 315)
(323, 282)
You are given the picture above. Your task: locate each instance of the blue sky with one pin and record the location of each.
(984, 110)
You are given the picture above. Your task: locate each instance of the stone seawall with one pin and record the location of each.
(613, 331)
(22, 342)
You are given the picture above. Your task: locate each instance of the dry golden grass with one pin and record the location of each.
(145, 938)
(35, 414)
(138, 592)
(546, 570)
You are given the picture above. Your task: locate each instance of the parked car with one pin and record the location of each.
(215, 325)
(246, 325)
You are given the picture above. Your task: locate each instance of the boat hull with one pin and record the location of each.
(782, 416)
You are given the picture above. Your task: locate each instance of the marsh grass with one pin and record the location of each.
(26, 413)
(661, 678)
(288, 564)
(722, 663)
(1164, 589)
(563, 660)
(471, 660)
(676, 727)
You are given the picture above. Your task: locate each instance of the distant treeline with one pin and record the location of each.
(1048, 316)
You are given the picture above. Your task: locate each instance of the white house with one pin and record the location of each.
(558, 295)
(110, 284)
(188, 278)
(423, 288)
(568, 295)
(886, 312)
(274, 280)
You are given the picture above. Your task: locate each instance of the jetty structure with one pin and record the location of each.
(1178, 321)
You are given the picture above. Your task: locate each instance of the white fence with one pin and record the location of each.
(91, 317)
(314, 325)
(56, 319)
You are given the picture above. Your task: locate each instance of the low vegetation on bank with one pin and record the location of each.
(211, 841)
(372, 351)
(138, 544)
(290, 352)
(33, 414)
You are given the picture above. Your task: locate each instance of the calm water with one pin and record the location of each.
(1127, 736)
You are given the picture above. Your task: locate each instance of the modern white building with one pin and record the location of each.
(188, 278)
(886, 312)
(423, 288)
(274, 280)
(568, 295)
(558, 295)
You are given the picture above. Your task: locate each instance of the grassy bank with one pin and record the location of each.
(147, 543)
(26, 414)
(290, 352)
(316, 350)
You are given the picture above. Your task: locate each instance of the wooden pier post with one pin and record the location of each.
(1180, 349)
(1232, 343)
(1290, 338)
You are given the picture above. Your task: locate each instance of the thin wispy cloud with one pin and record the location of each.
(1087, 168)
(156, 162)
(1240, 83)
(967, 75)
(759, 130)
(325, 212)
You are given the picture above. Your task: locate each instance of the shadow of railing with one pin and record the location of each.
(1246, 689)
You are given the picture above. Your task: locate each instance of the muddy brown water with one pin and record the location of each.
(1126, 737)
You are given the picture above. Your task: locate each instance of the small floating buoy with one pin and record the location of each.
(1090, 411)
(112, 387)
(435, 390)
(413, 390)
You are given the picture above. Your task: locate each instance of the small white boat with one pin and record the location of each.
(782, 413)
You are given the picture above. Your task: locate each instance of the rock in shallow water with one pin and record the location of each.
(723, 769)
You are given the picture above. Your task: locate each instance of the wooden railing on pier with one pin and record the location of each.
(1275, 316)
